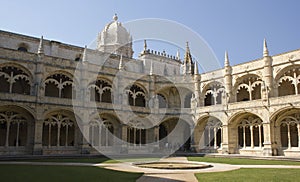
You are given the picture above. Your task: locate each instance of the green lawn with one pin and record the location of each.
(93, 160)
(252, 175)
(30, 173)
(90, 160)
(239, 161)
(24, 173)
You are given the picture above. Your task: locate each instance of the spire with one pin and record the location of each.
(196, 71)
(84, 57)
(151, 68)
(41, 46)
(226, 62)
(188, 56)
(266, 51)
(178, 55)
(145, 45)
(121, 62)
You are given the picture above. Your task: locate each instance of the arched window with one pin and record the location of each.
(136, 133)
(23, 47)
(289, 82)
(101, 91)
(250, 132)
(59, 85)
(136, 96)
(58, 130)
(13, 129)
(249, 89)
(212, 134)
(213, 94)
(100, 133)
(14, 80)
(289, 131)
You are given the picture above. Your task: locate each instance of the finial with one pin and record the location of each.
(84, 57)
(41, 46)
(196, 70)
(188, 56)
(145, 45)
(151, 68)
(178, 55)
(115, 17)
(226, 62)
(121, 62)
(266, 51)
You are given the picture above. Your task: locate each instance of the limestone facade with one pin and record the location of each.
(252, 108)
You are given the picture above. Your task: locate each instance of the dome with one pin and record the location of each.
(114, 38)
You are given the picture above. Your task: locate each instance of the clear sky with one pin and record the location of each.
(238, 26)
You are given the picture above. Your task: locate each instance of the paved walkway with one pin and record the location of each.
(159, 175)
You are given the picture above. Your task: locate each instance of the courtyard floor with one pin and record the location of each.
(150, 174)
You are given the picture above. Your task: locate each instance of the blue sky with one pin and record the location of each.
(238, 26)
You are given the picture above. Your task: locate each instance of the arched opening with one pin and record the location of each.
(16, 127)
(102, 130)
(286, 88)
(59, 130)
(208, 135)
(288, 82)
(101, 91)
(59, 85)
(209, 99)
(213, 94)
(136, 96)
(248, 88)
(14, 80)
(250, 132)
(243, 94)
(289, 135)
(174, 134)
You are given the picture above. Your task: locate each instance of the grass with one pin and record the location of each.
(30, 173)
(239, 161)
(90, 160)
(71, 160)
(74, 173)
(252, 175)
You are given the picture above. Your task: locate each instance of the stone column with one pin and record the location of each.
(124, 139)
(289, 136)
(215, 138)
(244, 137)
(298, 127)
(252, 137)
(259, 132)
(225, 139)
(84, 144)
(38, 135)
(192, 143)
(267, 139)
(156, 134)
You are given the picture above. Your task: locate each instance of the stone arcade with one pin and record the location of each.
(252, 108)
